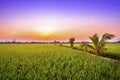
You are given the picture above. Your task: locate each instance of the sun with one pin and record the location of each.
(46, 30)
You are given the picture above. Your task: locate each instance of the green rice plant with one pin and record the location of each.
(53, 62)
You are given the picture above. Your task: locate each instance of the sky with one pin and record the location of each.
(48, 20)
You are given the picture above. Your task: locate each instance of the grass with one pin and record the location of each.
(52, 62)
(113, 50)
(68, 45)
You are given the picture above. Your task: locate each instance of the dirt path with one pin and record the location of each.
(105, 58)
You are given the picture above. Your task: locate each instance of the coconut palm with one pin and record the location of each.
(98, 46)
(71, 40)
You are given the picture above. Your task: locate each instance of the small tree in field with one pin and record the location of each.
(71, 40)
(98, 46)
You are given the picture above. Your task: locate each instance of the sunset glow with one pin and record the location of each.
(46, 30)
(44, 20)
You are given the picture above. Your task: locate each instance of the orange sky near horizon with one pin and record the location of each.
(48, 30)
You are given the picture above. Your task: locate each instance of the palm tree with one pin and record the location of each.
(71, 40)
(98, 46)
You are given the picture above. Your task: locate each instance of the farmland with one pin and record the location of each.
(113, 50)
(53, 62)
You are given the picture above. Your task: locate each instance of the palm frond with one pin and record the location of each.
(95, 39)
(107, 36)
(99, 46)
(102, 43)
(90, 46)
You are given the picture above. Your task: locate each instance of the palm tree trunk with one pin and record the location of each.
(71, 45)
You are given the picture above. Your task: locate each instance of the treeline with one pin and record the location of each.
(33, 42)
(26, 42)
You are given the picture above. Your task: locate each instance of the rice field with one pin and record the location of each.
(113, 50)
(53, 62)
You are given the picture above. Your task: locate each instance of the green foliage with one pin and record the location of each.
(52, 62)
(98, 46)
(94, 39)
(83, 46)
(71, 40)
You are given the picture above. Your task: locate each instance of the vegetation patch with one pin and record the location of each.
(51, 62)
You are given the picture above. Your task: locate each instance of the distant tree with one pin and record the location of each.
(71, 40)
(55, 42)
(98, 46)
